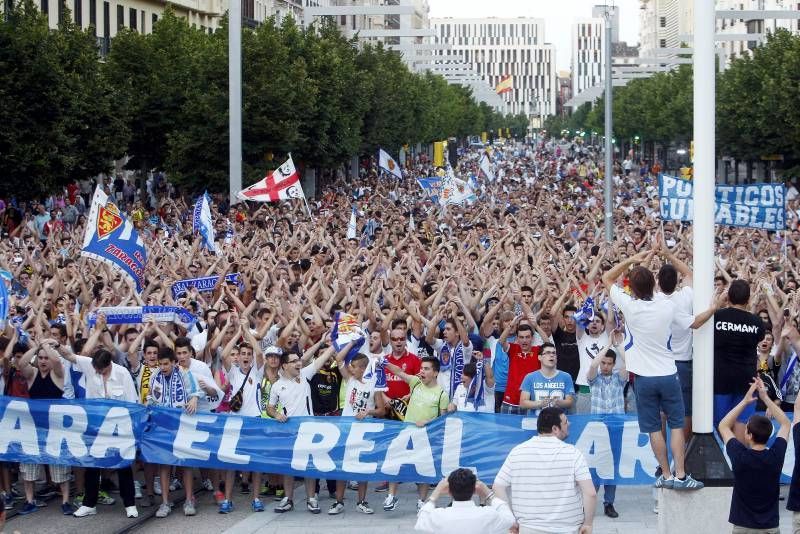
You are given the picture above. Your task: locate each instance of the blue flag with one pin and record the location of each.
(202, 223)
(112, 239)
(3, 303)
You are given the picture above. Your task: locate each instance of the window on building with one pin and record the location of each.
(120, 17)
(153, 20)
(662, 21)
(132, 19)
(93, 15)
(142, 23)
(78, 11)
(343, 20)
(662, 43)
(106, 19)
(61, 7)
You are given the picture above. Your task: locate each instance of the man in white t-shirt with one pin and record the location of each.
(649, 323)
(680, 342)
(246, 378)
(292, 393)
(551, 487)
(591, 341)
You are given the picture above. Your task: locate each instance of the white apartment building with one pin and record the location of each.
(109, 16)
(588, 53)
(661, 22)
(758, 26)
(497, 47)
(363, 19)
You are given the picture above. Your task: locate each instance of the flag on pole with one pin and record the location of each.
(112, 239)
(486, 167)
(202, 223)
(352, 226)
(505, 85)
(387, 163)
(455, 190)
(281, 184)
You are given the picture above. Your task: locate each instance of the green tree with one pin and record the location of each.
(56, 111)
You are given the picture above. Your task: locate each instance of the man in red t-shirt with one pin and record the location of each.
(523, 358)
(408, 362)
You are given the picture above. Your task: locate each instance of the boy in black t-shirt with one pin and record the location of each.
(756, 469)
(737, 333)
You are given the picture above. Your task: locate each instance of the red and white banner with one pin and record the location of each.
(282, 184)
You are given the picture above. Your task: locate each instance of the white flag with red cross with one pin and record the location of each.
(281, 184)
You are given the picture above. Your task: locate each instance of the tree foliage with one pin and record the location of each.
(757, 111)
(59, 115)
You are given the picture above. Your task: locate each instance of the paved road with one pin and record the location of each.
(634, 504)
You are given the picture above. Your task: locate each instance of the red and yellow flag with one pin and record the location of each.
(505, 85)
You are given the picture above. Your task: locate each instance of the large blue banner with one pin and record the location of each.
(751, 205)
(106, 434)
(97, 433)
(112, 239)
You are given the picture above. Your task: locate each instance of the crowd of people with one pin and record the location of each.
(502, 283)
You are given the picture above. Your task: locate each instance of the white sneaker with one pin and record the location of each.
(163, 510)
(131, 511)
(419, 504)
(84, 511)
(175, 485)
(208, 485)
(157, 485)
(137, 489)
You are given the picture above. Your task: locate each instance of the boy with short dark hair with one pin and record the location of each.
(756, 468)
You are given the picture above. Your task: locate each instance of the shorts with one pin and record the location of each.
(685, 376)
(33, 472)
(513, 409)
(725, 403)
(656, 394)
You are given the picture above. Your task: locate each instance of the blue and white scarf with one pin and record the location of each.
(476, 389)
(169, 391)
(141, 314)
(454, 364)
(377, 371)
(789, 378)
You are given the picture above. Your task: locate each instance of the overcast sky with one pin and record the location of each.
(557, 14)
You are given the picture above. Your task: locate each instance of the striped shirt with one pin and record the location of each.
(542, 473)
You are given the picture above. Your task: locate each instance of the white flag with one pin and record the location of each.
(387, 163)
(486, 167)
(411, 225)
(352, 226)
(282, 184)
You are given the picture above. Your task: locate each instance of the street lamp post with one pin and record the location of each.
(609, 210)
(235, 98)
(704, 457)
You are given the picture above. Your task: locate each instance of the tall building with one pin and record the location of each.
(755, 26)
(370, 25)
(661, 23)
(498, 47)
(588, 53)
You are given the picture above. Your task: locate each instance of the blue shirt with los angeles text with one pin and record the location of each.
(560, 386)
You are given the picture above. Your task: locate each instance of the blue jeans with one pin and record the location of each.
(609, 492)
